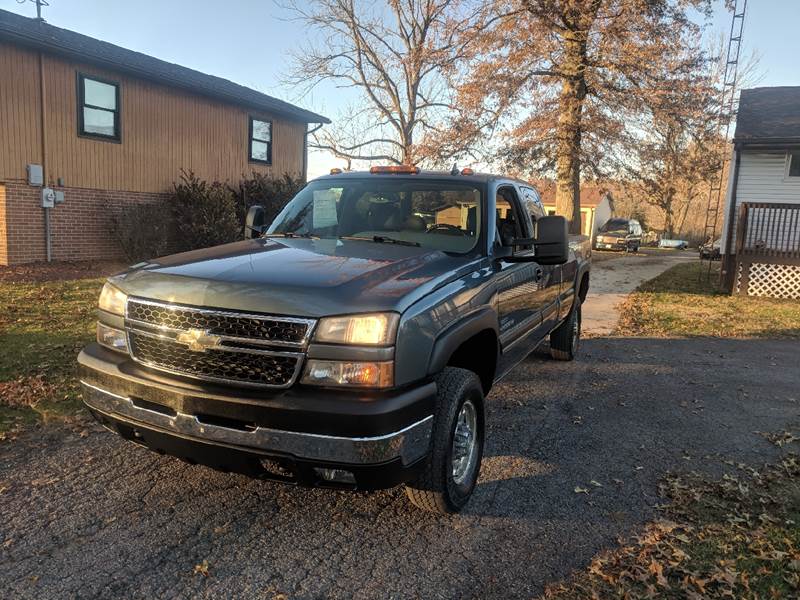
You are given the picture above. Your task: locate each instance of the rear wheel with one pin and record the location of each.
(565, 339)
(451, 469)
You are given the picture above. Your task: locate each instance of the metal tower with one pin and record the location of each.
(727, 108)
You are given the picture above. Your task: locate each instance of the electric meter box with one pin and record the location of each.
(48, 198)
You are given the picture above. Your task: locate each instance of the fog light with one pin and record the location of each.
(336, 475)
(357, 374)
(114, 339)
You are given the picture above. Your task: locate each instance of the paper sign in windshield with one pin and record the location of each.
(324, 209)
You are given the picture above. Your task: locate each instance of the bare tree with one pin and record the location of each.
(569, 75)
(400, 55)
(675, 148)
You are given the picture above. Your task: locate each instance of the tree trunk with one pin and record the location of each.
(568, 151)
(669, 220)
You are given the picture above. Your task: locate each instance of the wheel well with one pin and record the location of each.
(583, 289)
(472, 355)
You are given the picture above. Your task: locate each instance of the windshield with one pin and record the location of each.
(615, 225)
(436, 214)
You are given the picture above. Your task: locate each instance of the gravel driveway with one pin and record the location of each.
(93, 516)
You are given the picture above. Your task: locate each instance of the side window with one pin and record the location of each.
(260, 143)
(793, 164)
(532, 202)
(98, 108)
(512, 221)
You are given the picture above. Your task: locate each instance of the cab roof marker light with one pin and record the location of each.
(403, 169)
(336, 171)
(467, 171)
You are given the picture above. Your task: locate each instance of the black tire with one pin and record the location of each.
(564, 341)
(436, 489)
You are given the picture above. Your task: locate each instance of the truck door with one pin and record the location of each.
(522, 289)
(551, 274)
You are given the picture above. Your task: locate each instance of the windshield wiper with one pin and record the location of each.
(290, 234)
(381, 239)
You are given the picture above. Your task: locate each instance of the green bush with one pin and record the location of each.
(270, 192)
(198, 214)
(143, 231)
(203, 213)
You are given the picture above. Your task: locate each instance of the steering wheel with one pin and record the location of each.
(449, 229)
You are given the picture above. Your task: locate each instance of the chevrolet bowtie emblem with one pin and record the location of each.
(198, 340)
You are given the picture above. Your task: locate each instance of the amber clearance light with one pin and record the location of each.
(405, 169)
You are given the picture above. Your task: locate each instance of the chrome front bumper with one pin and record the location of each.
(409, 444)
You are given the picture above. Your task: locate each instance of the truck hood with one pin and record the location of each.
(297, 276)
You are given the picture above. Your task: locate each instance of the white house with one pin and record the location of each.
(761, 232)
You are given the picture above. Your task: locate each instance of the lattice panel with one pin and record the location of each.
(774, 281)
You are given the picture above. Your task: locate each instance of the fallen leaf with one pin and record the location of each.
(202, 568)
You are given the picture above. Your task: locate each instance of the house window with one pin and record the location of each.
(98, 108)
(260, 141)
(794, 164)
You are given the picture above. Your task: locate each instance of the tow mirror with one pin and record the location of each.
(550, 240)
(254, 223)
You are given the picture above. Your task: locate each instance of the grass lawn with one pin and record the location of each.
(43, 325)
(680, 302)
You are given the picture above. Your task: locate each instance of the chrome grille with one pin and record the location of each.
(217, 345)
(279, 331)
(217, 365)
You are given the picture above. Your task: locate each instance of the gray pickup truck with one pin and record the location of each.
(349, 344)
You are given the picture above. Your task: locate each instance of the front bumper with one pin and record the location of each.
(381, 437)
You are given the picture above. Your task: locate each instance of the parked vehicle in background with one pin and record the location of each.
(711, 250)
(351, 343)
(619, 234)
(675, 244)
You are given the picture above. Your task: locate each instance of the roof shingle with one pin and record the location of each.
(768, 114)
(41, 35)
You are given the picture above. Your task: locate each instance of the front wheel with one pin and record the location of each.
(451, 469)
(565, 339)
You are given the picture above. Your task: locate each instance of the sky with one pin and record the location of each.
(249, 41)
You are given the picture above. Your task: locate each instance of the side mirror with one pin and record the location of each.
(550, 240)
(254, 223)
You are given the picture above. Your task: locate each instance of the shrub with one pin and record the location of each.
(270, 192)
(203, 214)
(198, 214)
(143, 231)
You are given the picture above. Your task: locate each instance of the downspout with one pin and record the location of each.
(305, 149)
(731, 215)
(45, 180)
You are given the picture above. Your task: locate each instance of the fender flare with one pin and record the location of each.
(583, 269)
(458, 333)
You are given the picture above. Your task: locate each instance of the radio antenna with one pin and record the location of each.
(39, 4)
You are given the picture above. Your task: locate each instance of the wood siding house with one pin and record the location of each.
(107, 126)
(597, 206)
(760, 242)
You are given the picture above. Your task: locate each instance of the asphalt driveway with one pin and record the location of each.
(86, 514)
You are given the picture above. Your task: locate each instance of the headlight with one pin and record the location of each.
(350, 374)
(375, 329)
(112, 338)
(112, 300)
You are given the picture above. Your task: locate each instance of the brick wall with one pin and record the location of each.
(3, 239)
(80, 227)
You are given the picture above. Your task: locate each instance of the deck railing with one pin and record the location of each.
(768, 250)
(769, 229)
